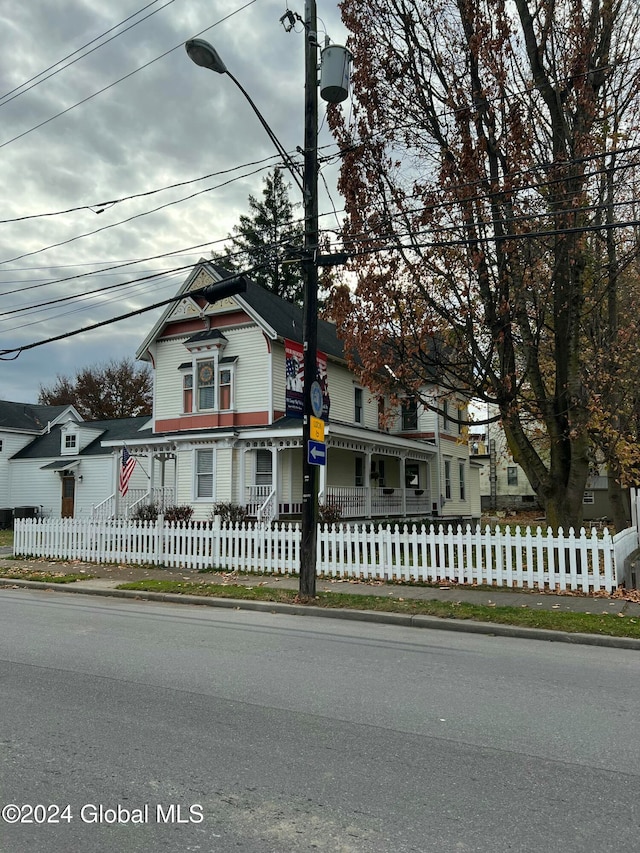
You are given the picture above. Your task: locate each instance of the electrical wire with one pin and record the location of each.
(10, 96)
(4, 353)
(120, 79)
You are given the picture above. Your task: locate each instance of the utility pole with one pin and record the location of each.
(310, 317)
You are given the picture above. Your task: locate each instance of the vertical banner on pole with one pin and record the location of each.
(294, 386)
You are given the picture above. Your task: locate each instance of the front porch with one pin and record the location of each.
(352, 502)
(360, 480)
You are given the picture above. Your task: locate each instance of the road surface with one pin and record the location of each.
(136, 726)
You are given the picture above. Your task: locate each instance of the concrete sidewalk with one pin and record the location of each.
(106, 579)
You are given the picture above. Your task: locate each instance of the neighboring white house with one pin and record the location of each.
(20, 423)
(67, 472)
(504, 485)
(225, 424)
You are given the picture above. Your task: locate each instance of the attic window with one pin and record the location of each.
(70, 442)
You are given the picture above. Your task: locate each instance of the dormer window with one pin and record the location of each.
(70, 442)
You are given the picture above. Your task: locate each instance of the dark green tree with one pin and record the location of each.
(269, 235)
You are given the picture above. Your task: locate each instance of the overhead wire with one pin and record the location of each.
(5, 353)
(14, 93)
(121, 79)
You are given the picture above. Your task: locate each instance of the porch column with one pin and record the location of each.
(242, 480)
(367, 481)
(322, 486)
(116, 483)
(403, 483)
(275, 480)
(152, 476)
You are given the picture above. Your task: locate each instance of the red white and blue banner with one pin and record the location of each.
(294, 356)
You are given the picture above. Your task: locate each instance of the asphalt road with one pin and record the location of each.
(213, 730)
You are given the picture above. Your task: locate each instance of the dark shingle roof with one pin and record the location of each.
(285, 318)
(122, 429)
(27, 416)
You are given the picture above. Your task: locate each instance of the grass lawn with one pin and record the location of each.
(43, 577)
(585, 623)
(6, 537)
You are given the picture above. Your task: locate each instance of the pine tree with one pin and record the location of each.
(268, 235)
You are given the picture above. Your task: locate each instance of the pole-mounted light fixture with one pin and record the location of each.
(206, 56)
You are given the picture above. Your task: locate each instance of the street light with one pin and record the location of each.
(334, 90)
(206, 56)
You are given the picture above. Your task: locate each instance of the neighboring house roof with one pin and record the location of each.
(47, 446)
(28, 417)
(283, 319)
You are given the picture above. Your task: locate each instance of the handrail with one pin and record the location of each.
(267, 505)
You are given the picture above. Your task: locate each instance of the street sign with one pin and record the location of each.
(316, 429)
(317, 453)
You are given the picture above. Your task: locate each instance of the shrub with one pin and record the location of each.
(178, 513)
(145, 512)
(229, 512)
(329, 513)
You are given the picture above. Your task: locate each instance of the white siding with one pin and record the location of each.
(11, 444)
(278, 375)
(252, 369)
(248, 345)
(168, 379)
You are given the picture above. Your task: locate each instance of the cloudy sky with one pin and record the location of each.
(100, 103)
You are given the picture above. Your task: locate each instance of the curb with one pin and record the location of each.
(429, 622)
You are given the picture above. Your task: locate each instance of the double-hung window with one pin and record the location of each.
(447, 479)
(224, 389)
(358, 404)
(409, 415)
(204, 474)
(463, 489)
(206, 385)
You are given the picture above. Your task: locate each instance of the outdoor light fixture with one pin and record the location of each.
(206, 56)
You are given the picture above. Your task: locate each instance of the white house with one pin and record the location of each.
(226, 425)
(20, 424)
(65, 471)
(226, 395)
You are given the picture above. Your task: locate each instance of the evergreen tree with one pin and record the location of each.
(266, 236)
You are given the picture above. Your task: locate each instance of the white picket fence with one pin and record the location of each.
(528, 558)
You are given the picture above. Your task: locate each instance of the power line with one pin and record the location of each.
(121, 79)
(10, 96)
(63, 336)
(133, 196)
(131, 218)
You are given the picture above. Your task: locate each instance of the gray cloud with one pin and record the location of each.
(169, 122)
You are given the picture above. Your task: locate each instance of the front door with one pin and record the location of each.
(68, 494)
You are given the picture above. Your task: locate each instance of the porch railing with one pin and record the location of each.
(385, 502)
(255, 498)
(162, 497)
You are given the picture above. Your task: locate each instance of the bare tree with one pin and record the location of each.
(118, 389)
(472, 174)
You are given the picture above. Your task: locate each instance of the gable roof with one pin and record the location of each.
(120, 429)
(277, 317)
(28, 417)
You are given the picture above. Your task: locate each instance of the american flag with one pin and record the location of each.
(126, 470)
(295, 373)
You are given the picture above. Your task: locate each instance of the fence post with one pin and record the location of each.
(158, 556)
